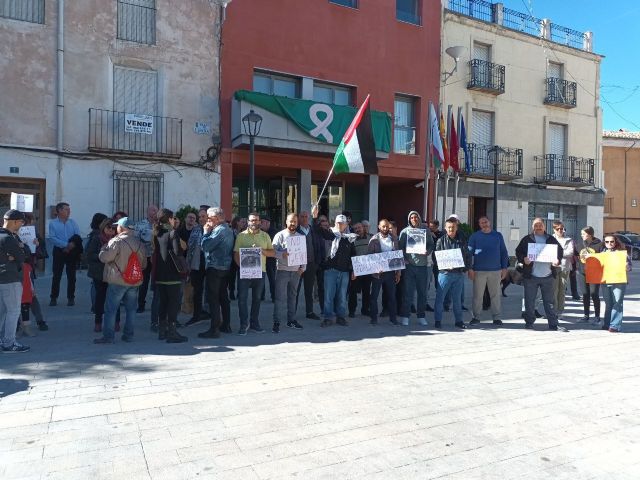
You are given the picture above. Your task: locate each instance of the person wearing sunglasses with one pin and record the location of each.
(613, 294)
(566, 264)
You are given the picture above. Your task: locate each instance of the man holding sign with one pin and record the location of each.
(252, 237)
(536, 253)
(454, 258)
(290, 248)
(384, 241)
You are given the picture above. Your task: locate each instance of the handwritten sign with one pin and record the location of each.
(378, 262)
(448, 259)
(250, 263)
(606, 267)
(22, 202)
(542, 252)
(417, 241)
(296, 250)
(28, 236)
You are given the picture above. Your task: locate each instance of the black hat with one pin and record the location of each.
(14, 214)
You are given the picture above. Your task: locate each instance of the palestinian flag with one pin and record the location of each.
(357, 151)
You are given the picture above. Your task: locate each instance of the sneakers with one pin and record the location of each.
(53, 302)
(395, 323)
(596, 322)
(429, 308)
(226, 329)
(326, 323)
(243, 330)
(342, 322)
(276, 327)
(16, 348)
(461, 325)
(42, 326)
(584, 319)
(557, 328)
(312, 316)
(497, 322)
(474, 321)
(438, 324)
(404, 321)
(71, 302)
(528, 326)
(294, 324)
(257, 329)
(103, 340)
(613, 330)
(423, 322)
(193, 321)
(206, 334)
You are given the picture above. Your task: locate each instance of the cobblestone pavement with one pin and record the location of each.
(357, 402)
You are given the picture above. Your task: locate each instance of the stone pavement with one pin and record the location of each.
(359, 402)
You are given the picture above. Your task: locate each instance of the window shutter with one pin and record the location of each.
(135, 91)
(557, 139)
(482, 128)
(482, 52)
(554, 70)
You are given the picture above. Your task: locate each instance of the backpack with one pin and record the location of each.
(133, 272)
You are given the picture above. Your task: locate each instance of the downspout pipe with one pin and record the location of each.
(60, 98)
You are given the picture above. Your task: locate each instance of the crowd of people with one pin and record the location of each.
(198, 262)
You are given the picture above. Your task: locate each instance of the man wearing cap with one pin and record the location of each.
(65, 252)
(12, 255)
(115, 255)
(337, 270)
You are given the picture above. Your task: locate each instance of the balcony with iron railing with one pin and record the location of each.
(553, 169)
(133, 134)
(486, 76)
(479, 164)
(560, 93)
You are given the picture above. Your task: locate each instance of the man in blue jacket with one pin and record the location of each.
(489, 262)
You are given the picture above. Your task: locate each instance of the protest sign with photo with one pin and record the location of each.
(416, 241)
(296, 250)
(378, 262)
(448, 259)
(250, 263)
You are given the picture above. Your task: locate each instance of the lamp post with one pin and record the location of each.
(493, 158)
(251, 123)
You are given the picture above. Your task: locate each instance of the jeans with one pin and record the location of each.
(386, 282)
(218, 298)
(360, 284)
(335, 293)
(416, 279)
(613, 297)
(115, 295)
(257, 289)
(546, 285)
(10, 296)
(490, 280)
(286, 292)
(449, 282)
(61, 261)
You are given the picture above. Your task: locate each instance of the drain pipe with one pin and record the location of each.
(60, 99)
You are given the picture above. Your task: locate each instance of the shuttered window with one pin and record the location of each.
(481, 52)
(554, 70)
(557, 139)
(482, 128)
(137, 21)
(24, 10)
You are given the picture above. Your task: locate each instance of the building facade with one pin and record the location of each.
(621, 165)
(528, 90)
(109, 105)
(304, 67)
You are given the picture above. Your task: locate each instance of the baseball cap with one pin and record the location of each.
(454, 216)
(14, 214)
(125, 222)
(341, 219)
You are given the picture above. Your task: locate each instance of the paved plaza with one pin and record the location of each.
(368, 402)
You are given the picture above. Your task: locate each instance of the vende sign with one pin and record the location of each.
(134, 123)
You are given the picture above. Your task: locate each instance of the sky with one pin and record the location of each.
(616, 36)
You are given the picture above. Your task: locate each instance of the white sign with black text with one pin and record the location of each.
(448, 259)
(28, 236)
(22, 202)
(378, 262)
(542, 252)
(135, 123)
(296, 250)
(250, 263)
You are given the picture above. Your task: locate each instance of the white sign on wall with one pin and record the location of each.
(134, 123)
(22, 202)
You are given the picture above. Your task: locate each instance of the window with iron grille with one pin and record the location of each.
(24, 10)
(137, 21)
(133, 192)
(404, 125)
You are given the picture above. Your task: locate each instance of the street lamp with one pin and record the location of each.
(251, 123)
(495, 161)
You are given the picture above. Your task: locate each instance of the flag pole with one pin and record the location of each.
(446, 178)
(435, 193)
(324, 187)
(457, 174)
(427, 166)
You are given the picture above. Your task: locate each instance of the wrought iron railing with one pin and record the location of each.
(25, 10)
(479, 163)
(567, 36)
(564, 170)
(560, 92)
(126, 133)
(137, 22)
(522, 22)
(486, 76)
(479, 9)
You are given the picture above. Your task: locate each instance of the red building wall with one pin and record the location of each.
(364, 47)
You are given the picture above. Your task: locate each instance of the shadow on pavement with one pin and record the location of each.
(10, 386)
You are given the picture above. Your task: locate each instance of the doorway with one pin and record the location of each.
(477, 209)
(29, 186)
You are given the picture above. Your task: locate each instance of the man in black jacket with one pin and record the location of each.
(12, 256)
(315, 255)
(451, 271)
(337, 270)
(538, 274)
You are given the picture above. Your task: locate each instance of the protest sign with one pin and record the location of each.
(416, 241)
(378, 262)
(448, 259)
(542, 252)
(606, 267)
(27, 236)
(296, 250)
(22, 202)
(250, 263)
